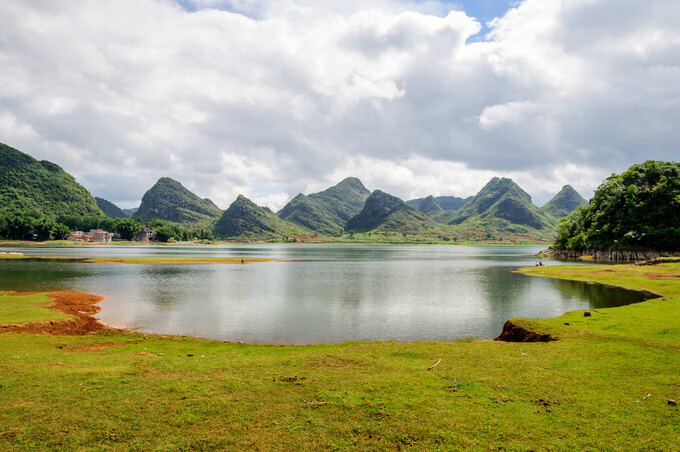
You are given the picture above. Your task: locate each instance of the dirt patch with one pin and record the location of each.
(96, 347)
(516, 333)
(659, 276)
(81, 306)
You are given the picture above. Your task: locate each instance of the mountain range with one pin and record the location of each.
(246, 220)
(444, 202)
(501, 207)
(383, 212)
(328, 211)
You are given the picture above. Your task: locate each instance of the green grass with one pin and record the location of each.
(26, 308)
(587, 391)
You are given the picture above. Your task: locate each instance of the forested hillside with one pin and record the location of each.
(40, 188)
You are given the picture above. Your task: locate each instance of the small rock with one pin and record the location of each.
(240, 342)
(190, 354)
(672, 402)
(587, 314)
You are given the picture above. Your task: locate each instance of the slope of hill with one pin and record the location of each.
(447, 203)
(429, 206)
(503, 207)
(130, 212)
(110, 209)
(384, 212)
(564, 203)
(246, 220)
(40, 187)
(170, 201)
(327, 212)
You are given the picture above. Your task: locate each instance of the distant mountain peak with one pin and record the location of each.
(504, 206)
(245, 219)
(385, 212)
(564, 202)
(169, 200)
(430, 206)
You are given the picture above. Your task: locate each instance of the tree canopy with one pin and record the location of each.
(639, 209)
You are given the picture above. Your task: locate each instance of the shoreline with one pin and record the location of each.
(83, 306)
(608, 255)
(145, 260)
(59, 243)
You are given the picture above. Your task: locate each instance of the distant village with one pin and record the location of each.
(102, 236)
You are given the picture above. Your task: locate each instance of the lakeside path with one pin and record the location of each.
(607, 383)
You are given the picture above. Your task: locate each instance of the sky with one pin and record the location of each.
(269, 98)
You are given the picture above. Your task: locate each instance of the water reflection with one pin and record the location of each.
(333, 294)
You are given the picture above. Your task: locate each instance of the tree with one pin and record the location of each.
(638, 209)
(18, 227)
(128, 228)
(60, 231)
(43, 227)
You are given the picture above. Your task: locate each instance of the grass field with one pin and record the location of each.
(604, 385)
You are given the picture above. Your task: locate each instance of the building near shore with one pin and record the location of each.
(80, 236)
(145, 235)
(101, 236)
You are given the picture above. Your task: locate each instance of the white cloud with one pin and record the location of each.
(272, 97)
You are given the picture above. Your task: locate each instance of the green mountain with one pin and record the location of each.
(246, 220)
(564, 203)
(447, 203)
(429, 206)
(636, 210)
(130, 212)
(384, 212)
(170, 201)
(328, 211)
(110, 209)
(503, 207)
(40, 187)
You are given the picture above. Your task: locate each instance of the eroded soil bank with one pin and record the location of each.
(517, 333)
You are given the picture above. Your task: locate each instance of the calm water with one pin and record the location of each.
(329, 294)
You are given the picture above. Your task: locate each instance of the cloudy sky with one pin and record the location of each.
(273, 97)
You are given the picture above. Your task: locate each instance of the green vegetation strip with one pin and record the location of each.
(26, 308)
(145, 260)
(605, 385)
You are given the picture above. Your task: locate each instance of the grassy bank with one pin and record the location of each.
(604, 385)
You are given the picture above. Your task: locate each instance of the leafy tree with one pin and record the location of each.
(18, 227)
(43, 227)
(48, 229)
(639, 209)
(60, 231)
(128, 228)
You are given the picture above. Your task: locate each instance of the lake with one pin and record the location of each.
(324, 294)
